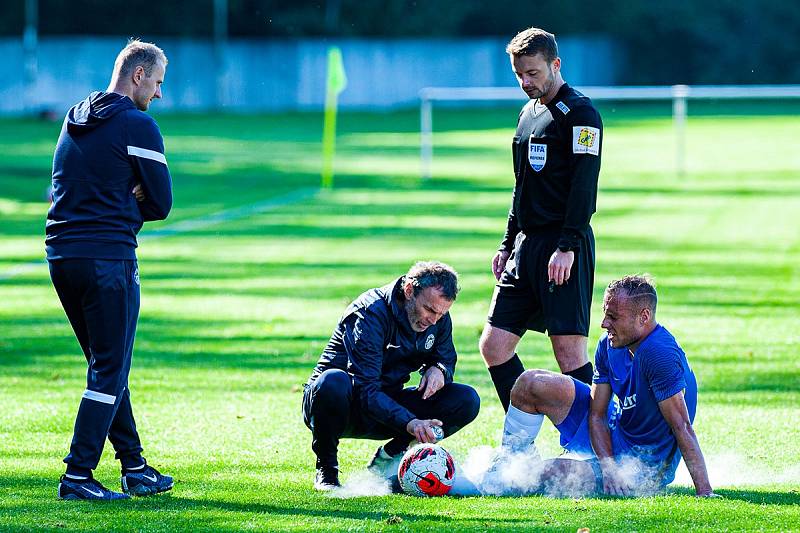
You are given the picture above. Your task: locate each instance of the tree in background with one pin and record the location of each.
(680, 41)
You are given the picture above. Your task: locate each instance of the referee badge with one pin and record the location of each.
(585, 140)
(537, 155)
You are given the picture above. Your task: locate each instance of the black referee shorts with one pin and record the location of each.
(523, 300)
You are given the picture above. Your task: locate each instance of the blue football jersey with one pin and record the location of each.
(657, 371)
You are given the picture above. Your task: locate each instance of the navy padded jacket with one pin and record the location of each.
(375, 344)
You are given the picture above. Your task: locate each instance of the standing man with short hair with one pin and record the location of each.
(545, 264)
(357, 388)
(109, 176)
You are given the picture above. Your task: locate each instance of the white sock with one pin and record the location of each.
(520, 429)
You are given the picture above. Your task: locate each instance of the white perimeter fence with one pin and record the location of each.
(679, 94)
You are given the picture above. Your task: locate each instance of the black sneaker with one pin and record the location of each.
(394, 485)
(145, 482)
(383, 464)
(89, 489)
(327, 478)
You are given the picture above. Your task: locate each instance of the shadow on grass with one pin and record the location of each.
(26, 495)
(22, 486)
(759, 497)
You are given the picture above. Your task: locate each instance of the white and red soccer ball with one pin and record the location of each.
(427, 470)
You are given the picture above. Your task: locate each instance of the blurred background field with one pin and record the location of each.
(235, 312)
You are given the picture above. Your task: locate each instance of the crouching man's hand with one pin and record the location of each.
(431, 382)
(421, 429)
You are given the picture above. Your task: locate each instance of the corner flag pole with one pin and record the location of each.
(337, 81)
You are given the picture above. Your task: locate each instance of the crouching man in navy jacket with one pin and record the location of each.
(356, 389)
(109, 177)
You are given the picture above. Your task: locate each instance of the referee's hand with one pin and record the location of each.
(559, 267)
(499, 263)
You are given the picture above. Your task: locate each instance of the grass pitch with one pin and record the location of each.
(236, 308)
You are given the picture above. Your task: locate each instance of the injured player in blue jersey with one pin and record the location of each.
(623, 436)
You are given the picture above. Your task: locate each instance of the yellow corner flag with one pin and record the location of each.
(337, 81)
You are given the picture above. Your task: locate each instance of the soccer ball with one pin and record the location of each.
(427, 470)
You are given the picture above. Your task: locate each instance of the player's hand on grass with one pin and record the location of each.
(559, 266)
(431, 382)
(614, 483)
(138, 192)
(499, 263)
(421, 429)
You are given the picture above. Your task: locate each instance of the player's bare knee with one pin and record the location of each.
(529, 389)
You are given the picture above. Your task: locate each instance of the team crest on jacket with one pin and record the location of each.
(429, 341)
(537, 155)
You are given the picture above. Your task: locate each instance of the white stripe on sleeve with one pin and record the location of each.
(99, 397)
(147, 154)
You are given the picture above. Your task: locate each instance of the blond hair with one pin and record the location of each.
(138, 53)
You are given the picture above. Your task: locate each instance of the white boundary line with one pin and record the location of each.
(186, 226)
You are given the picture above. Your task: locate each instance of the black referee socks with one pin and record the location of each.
(583, 373)
(504, 376)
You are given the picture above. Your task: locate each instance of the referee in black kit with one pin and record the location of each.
(109, 176)
(545, 264)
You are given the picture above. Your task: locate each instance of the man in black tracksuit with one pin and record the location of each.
(109, 176)
(356, 389)
(545, 264)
